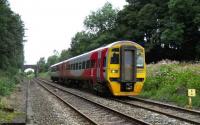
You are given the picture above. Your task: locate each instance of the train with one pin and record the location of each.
(118, 68)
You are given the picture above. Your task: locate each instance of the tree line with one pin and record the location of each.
(11, 38)
(168, 29)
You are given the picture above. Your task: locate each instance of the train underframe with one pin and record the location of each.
(89, 84)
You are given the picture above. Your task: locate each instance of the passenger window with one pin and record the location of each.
(115, 58)
(71, 66)
(67, 66)
(79, 66)
(76, 66)
(83, 65)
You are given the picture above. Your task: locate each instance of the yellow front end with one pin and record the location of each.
(113, 71)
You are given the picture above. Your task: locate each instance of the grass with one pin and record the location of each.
(7, 116)
(44, 75)
(8, 82)
(170, 81)
(6, 85)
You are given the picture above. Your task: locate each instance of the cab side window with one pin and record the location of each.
(114, 58)
(104, 62)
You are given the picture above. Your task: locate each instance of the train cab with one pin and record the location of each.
(126, 69)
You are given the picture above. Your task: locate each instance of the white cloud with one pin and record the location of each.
(51, 24)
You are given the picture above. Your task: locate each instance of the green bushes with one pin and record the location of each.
(44, 75)
(6, 86)
(170, 82)
(8, 81)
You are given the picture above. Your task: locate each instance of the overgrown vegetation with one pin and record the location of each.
(11, 47)
(30, 74)
(170, 81)
(11, 38)
(8, 82)
(11, 54)
(6, 85)
(7, 116)
(44, 75)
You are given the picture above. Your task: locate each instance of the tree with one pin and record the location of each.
(81, 43)
(182, 29)
(102, 20)
(166, 28)
(169, 28)
(65, 54)
(127, 24)
(30, 72)
(99, 26)
(42, 65)
(11, 38)
(51, 60)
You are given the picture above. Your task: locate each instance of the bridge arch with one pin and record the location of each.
(35, 67)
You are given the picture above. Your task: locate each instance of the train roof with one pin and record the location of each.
(100, 48)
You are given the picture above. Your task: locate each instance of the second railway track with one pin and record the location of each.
(96, 113)
(190, 116)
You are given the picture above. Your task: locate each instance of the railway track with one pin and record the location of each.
(95, 113)
(190, 116)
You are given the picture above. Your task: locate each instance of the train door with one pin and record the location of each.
(62, 70)
(103, 65)
(128, 63)
(128, 67)
(98, 67)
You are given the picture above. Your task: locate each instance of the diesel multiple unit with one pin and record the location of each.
(118, 68)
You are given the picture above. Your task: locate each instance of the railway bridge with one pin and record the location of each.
(35, 67)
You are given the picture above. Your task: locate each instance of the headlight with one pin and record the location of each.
(114, 71)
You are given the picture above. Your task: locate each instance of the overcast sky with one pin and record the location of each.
(50, 24)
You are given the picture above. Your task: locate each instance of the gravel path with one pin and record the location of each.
(48, 110)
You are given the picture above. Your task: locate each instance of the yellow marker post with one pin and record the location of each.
(191, 93)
